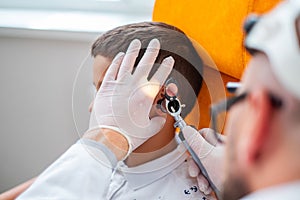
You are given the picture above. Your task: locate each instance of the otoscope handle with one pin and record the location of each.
(200, 165)
(179, 122)
(173, 106)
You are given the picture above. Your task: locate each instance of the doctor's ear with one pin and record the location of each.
(257, 127)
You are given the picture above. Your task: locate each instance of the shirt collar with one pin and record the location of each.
(284, 191)
(142, 175)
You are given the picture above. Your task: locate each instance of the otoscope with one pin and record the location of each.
(174, 107)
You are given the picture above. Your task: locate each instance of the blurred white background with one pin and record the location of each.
(42, 45)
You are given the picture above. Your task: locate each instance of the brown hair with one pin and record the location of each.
(188, 65)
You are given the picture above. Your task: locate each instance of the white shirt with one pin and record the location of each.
(163, 178)
(80, 173)
(85, 171)
(288, 191)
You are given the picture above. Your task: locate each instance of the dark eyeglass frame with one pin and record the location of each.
(226, 104)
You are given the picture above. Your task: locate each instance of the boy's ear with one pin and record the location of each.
(256, 130)
(161, 92)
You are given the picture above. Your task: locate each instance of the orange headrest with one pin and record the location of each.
(216, 25)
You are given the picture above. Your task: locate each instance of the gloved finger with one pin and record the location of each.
(171, 89)
(150, 90)
(203, 184)
(193, 168)
(112, 70)
(130, 57)
(197, 142)
(193, 137)
(209, 136)
(163, 71)
(145, 65)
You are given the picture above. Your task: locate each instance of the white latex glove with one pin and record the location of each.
(211, 155)
(124, 100)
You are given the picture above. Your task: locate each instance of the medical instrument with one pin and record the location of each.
(174, 107)
(233, 86)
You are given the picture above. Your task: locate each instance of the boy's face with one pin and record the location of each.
(100, 66)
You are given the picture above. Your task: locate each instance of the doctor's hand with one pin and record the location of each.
(125, 98)
(210, 153)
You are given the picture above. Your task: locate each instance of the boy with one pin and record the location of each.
(155, 170)
(142, 166)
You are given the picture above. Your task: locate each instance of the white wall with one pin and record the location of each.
(36, 80)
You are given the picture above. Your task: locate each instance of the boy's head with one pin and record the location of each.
(188, 65)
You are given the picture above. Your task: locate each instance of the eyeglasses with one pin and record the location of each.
(226, 104)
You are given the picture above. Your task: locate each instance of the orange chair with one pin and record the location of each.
(217, 26)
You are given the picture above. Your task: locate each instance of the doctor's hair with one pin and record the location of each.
(188, 65)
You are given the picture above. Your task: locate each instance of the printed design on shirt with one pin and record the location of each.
(191, 190)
